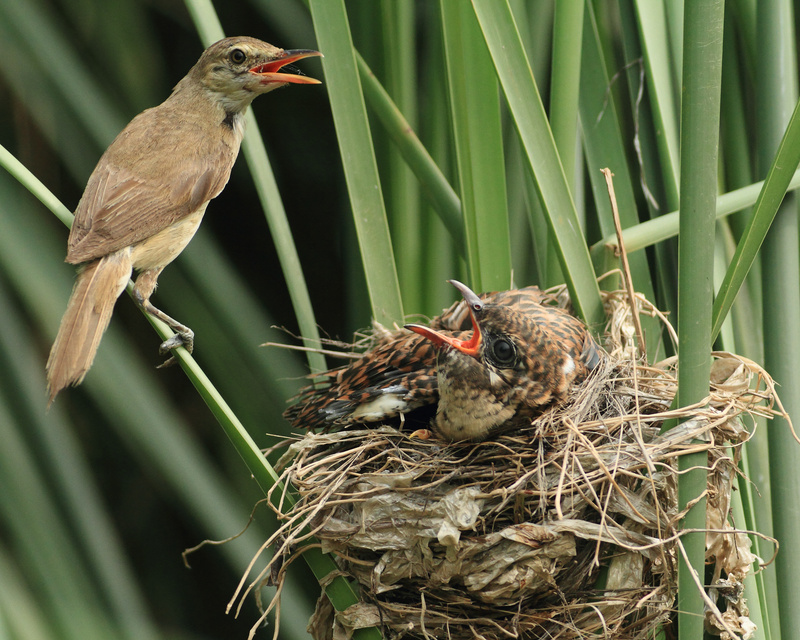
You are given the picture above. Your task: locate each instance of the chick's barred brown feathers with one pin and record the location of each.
(516, 362)
(394, 377)
(487, 361)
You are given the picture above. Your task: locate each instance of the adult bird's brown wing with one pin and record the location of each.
(125, 202)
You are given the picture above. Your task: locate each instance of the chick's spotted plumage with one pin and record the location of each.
(516, 362)
(488, 361)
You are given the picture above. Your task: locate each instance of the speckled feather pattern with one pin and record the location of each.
(552, 350)
(404, 372)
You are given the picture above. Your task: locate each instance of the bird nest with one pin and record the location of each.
(566, 528)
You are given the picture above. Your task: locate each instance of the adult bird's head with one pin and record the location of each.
(236, 70)
(515, 363)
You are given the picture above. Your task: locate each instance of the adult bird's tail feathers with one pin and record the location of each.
(88, 313)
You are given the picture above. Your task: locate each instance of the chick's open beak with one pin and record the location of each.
(271, 71)
(469, 347)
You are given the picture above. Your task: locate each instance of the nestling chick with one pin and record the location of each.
(515, 363)
(518, 357)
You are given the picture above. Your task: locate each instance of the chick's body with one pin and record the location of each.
(520, 362)
(487, 362)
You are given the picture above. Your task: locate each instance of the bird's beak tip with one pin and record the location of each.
(270, 72)
(470, 297)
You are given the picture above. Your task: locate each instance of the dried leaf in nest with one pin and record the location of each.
(508, 537)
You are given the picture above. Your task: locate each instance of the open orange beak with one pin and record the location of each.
(469, 347)
(271, 71)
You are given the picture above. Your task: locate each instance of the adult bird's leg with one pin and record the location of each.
(142, 290)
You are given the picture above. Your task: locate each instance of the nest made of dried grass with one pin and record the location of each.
(567, 528)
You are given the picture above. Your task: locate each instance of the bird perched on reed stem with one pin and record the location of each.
(518, 358)
(147, 196)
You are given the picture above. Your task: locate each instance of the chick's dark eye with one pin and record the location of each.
(503, 351)
(237, 56)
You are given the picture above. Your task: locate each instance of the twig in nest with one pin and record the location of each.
(187, 552)
(626, 267)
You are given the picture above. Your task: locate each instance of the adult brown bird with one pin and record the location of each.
(519, 358)
(147, 196)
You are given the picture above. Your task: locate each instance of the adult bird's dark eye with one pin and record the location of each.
(237, 56)
(503, 351)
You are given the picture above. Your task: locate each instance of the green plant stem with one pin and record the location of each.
(655, 45)
(401, 189)
(478, 133)
(442, 196)
(649, 233)
(769, 199)
(340, 592)
(20, 173)
(702, 73)
(777, 73)
(566, 75)
(565, 82)
(519, 87)
(603, 144)
(358, 158)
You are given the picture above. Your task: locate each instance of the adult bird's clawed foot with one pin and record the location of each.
(182, 338)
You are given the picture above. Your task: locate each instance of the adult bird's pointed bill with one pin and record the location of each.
(273, 71)
(146, 198)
